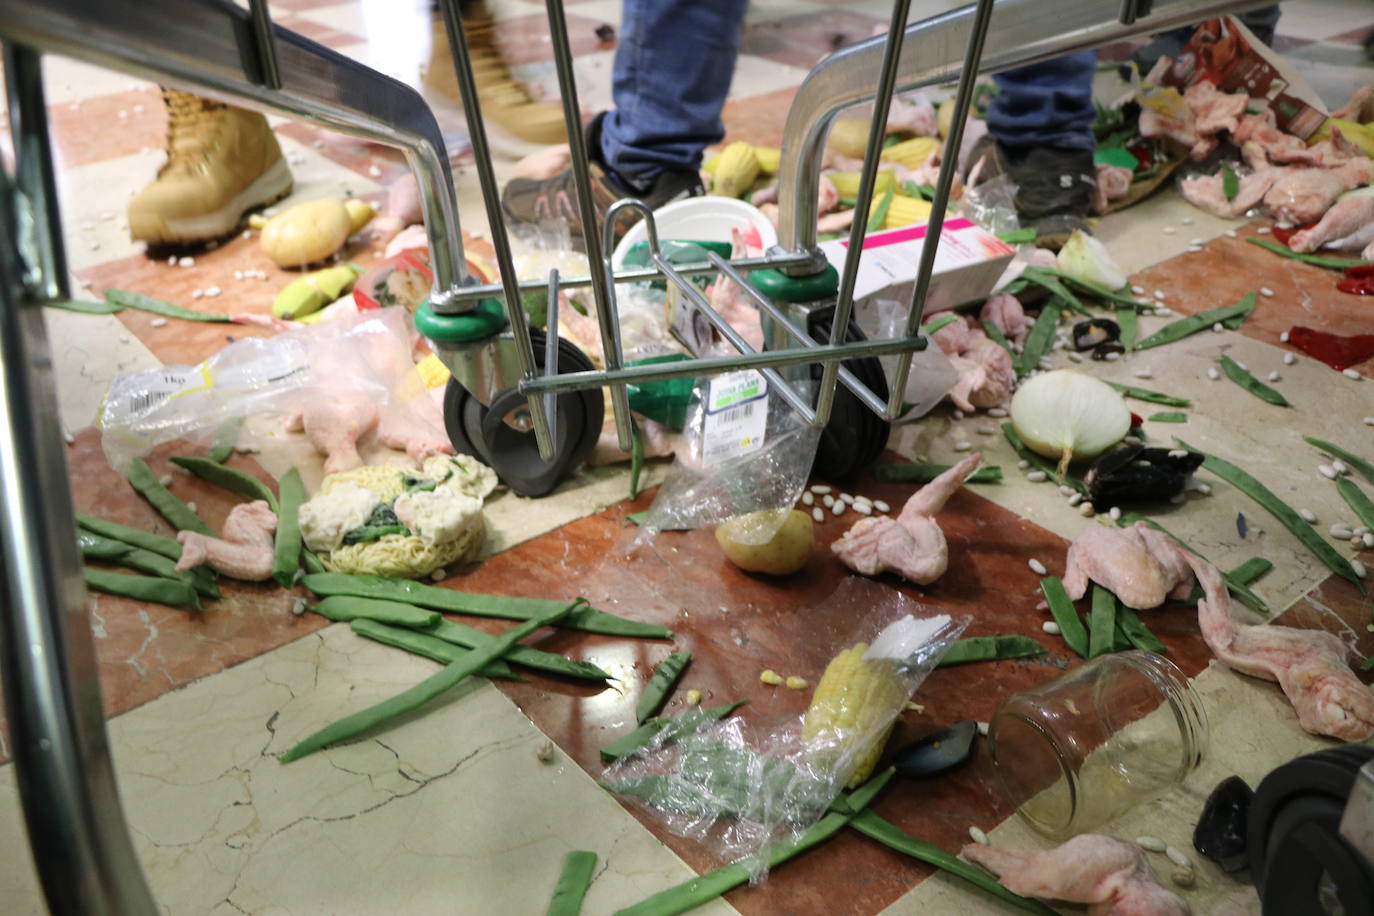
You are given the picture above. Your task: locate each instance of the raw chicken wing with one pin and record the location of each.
(911, 545)
(245, 551)
(1345, 218)
(1310, 665)
(1142, 570)
(1112, 876)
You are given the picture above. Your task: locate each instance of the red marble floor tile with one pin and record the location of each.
(525, 39)
(94, 131)
(758, 119)
(802, 40)
(1227, 268)
(325, 35)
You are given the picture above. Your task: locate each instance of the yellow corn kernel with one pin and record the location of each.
(693, 697)
(944, 117)
(797, 683)
(736, 171)
(770, 157)
(906, 211)
(432, 371)
(770, 677)
(911, 153)
(854, 707)
(847, 183)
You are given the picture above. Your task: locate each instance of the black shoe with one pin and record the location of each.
(531, 201)
(1054, 186)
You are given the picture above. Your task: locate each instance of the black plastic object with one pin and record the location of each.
(480, 431)
(855, 435)
(1093, 332)
(1131, 475)
(1299, 860)
(1221, 834)
(937, 753)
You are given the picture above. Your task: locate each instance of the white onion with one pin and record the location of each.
(1085, 258)
(1069, 416)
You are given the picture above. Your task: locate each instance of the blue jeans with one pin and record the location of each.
(673, 66)
(1046, 104)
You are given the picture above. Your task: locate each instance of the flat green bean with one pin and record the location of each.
(418, 643)
(462, 635)
(1120, 300)
(572, 884)
(1133, 629)
(711, 885)
(1101, 622)
(157, 543)
(125, 299)
(996, 336)
(1059, 292)
(142, 588)
(670, 727)
(930, 327)
(636, 457)
(1261, 494)
(879, 214)
(84, 307)
(225, 439)
(871, 825)
(1356, 463)
(989, 648)
(1040, 461)
(1244, 379)
(1128, 319)
(95, 547)
(1062, 609)
(1154, 397)
(925, 472)
(343, 608)
(1230, 316)
(1357, 501)
(142, 479)
(431, 687)
(1251, 570)
(231, 479)
(661, 684)
(312, 563)
(286, 551)
(1315, 260)
(1039, 339)
(1168, 416)
(585, 618)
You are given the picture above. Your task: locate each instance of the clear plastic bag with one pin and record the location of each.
(369, 354)
(992, 205)
(744, 449)
(932, 375)
(740, 788)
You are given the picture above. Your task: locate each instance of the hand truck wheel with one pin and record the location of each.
(855, 435)
(482, 431)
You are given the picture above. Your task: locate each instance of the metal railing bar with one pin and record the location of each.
(844, 305)
(847, 378)
(266, 44)
(551, 352)
(500, 242)
(982, 16)
(34, 173)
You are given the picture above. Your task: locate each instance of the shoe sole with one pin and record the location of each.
(269, 187)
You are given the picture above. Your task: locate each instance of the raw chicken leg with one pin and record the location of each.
(911, 545)
(245, 551)
(1346, 217)
(986, 376)
(334, 425)
(1302, 195)
(416, 428)
(1310, 665)
(1139, 568)
(1110, 875)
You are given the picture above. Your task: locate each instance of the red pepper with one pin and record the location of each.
(1336, 351)
(1359, 286)
(1137, 421)
(1362, 270)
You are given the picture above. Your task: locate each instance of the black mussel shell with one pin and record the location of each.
(939, 752)
(1137, 474)
(1088, 334)
(1221, 830)
(1110, 348)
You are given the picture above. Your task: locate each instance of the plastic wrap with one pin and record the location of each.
(369, 354)
(739, 788)
(932, 375)
(992, 205)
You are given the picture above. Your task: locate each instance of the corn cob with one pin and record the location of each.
(911, 153)
(847, 183)
(906, 211)
(853, 709)
(736, 171)
(944, 118)
(432, 371)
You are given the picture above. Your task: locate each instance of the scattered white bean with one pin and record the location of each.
(1266, 291)
(1050, 627)
(1076, 357)
(983, 729)
(1369, 421)
(847, 498)
(1356, 541)
(818, 514)
(1274, 376)
(1327, 471)
(1114, 513)
(1340, 467)
(1138, 290)
(212, 291)
(881, 506)
(165, 480)
(808, 498)
(1289, 359)
(1242, 365)
(1168, 230)
(1363, 529)
(978, 836)
(1159, 294)
(159, 322)
(439, 575)
(1086, 509)
(1151, 843)
(187, 261)
(963, 446)
(1262, 230)
(1075, 499)
(1360, 570)
(1194, 249)
(1178, 857)
(1133, 440)
(863, 508)
(1178, 453)
(1144, 373)
(1308, 516)
(1205, 489)
(1352, 374)
(1036, 566)
(191, 506)
(1218, 328)
(1066, 489)
(1195, 242)
(1283, 338)
(1023, 464)
(997, 411)
(958, 414)
(1231, 233)
(1341, 531)
(820, 489)
(1187, 221)
(828, 500)
(1037, 477)
(1213, 374)
(838, 508)
(1112, 357)
(986, 431)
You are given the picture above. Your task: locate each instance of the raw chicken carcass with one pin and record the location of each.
(1112, 876)
(245, 551)
(1207, 192)
(334, 424)
(986, 374)
(1137, 564)
(1346, 217)
(1267, 139)
(919, 119)
(1310, 665)
(911, 545)
(416, 428)
(1302, 196)
(1007, 315)
(1215, 111)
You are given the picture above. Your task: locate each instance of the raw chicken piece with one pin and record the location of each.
(1043, 257)
(407, 238)
(1215, 111)
(986, 375)
(827, 197)
(1207, 192)
(416, 428)
(543, 164)
(835, 222)
(911, 545)
(731, 302)
(1113, 183)
(1310, 665)
(659, 441)
(245, 551)
(1346, 217)
(919, 119)
(1181, 128)
(402, 208)
(1360, 107)
(768, 195)
(1303, 195)
(1142, 571)
(929, 173)
(1333, 151)
(1007, 315)
(264, 321)
(1111, 875)
(1260, 130)
(954, 338)
(334, 424)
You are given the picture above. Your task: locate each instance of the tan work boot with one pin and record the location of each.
(505, 102)
(221, 162)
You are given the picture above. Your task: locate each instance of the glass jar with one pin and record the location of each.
(1084, 748)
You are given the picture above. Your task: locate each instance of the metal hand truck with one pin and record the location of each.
(76, 826)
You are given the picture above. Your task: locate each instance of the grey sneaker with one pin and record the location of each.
(1054, 187)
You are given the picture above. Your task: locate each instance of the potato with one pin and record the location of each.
(849, 137)
(774, 541)
(306, 233)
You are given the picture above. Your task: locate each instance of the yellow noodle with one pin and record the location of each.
(402, 556)
(384, 480)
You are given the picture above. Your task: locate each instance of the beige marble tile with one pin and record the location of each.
(93, 199)
(1158, 228)
(448, 812)
(88, 352)
(66, 81)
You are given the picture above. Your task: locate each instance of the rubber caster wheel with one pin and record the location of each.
(855, 435)
(481, 431)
